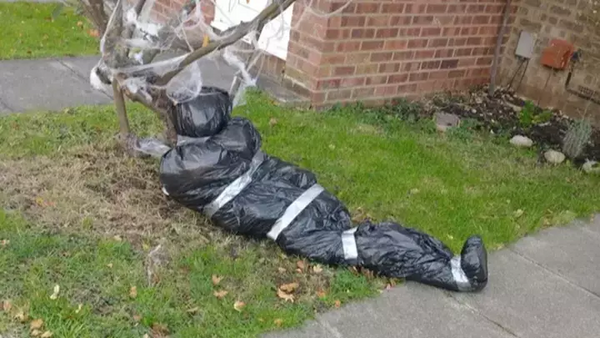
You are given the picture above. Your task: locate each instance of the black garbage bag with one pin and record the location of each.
(243, 190)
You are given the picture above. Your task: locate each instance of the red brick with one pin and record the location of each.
(353, 21)
(339, 94)
(444, 53)
(402, 20)
(377, 80)
(417, 43)
(352, 82)
(410, 32)
(367, 8)
(381, 56)
(389, 67)
(449, 64)
(386, 91)
(415, 8)
(371, 45)
(364, 69)
(441, 42)
(414, 77)
(328, 84)
(422, 20)
(348, 46)
(363, 33)
(395, 44)
(387, 33)
(481, 20)
(378, 20)
(398, 78)
(424, 54)
(463, 51)
(431, 65)
(354, 58)
(404, 55)
(344, 70)
(360, 93)
(392, 8)
(334, 58)
(456, 73)
(410, 66)
(436, 8)
(431, 31)
(484, 61)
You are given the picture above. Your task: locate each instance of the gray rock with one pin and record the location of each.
(521, 141)
(591, 167)
(444, 121)
(554, 157)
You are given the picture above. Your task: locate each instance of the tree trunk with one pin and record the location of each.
(121, 111)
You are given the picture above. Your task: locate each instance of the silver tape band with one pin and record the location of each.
(349, 244)
(460, 278)
(294, 209)
(235, 187)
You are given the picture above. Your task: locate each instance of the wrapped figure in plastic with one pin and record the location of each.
(219, 169)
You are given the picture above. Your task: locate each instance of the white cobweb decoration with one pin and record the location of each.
(157, 47)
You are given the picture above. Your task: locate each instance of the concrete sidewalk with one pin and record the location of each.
(545, 286)
(55, 84)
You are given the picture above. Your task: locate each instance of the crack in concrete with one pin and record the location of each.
(554, 273)
(74, 71)
(483, 316)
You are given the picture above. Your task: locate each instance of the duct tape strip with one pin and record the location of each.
(235, 187)
(460, 278)
(294, 210)
(349, 244)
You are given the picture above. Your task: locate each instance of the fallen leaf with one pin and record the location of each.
(137, 318)
(278, 322)
(6, 305)
(36, 333)
(220, 294)
(93, 33)
(133, 292)
(239, 305)
(216, 279)
(110, 265)
(272, 121)
(36, 324)
(5, 242)
(47, 334)
(285, 296)
(21, 316)
(281, 270)
(117, 238)
(145, 247)
(317, 268)
(301, 265)
(79, 307)
(146, 336)
(205, 41)
(160, 329)
(79, 24)
(321, 294)
(56, 290)
(299, 270)
(338, 303)
(519, 213)
(193, 310)
(289, 288)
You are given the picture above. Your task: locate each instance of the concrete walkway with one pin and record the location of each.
(55, 84)
(545, 286)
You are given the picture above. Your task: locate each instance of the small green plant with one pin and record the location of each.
(466, 130)
(577, 137)
(526, 114)
(531, 114)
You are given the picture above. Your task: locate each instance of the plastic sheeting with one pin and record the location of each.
(227, 177)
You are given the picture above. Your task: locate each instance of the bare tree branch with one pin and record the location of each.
(237, 33)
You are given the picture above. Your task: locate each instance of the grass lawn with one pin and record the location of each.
(79, 214)
(29, 31)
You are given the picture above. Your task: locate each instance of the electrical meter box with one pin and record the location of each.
(557, 54)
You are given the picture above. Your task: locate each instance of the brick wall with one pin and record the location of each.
(378, 50)
(162, 10)
(556, 19)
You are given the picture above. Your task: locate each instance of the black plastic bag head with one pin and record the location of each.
(203, 116)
